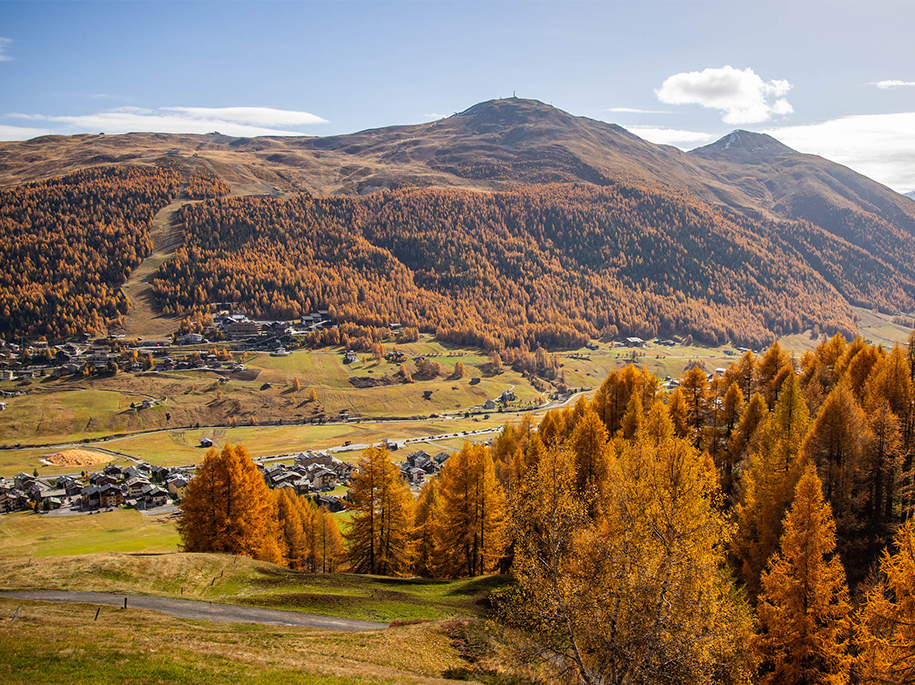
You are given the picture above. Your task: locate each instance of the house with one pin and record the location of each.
(110, 496)
(240, 330)
(3, 405)
(177, 486)
(306, 459)
(634, 342)
(153, 496)
(114, 471)
(350, 357)
(52, 503)
(391, 445)
(332, 503)
(416, 476)
(7, 375)
(23, 481)
(190, 339)
(101, 479)
(507, 396)
(591, 345)
(489, 405)
(135, 487)
(206, 442)
(321, 477)
(13, 500)
(70, 485)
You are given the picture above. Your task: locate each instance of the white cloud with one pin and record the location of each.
(233, 121)
(21, 132)
(740, 95)
(881, 146)
(4, 44)
(887, 85)
(671, 136)
(263, 116)
(632, 110)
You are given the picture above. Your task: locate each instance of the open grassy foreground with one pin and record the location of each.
(26, 534)
(62, 644)
(227, 579)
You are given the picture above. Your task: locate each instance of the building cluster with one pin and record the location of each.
(141, 486)
(311, 474)
(419, 465)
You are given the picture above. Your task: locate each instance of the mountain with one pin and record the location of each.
(811, 225)
(910, 194)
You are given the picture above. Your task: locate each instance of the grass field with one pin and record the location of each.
(26, 534)
(62, 644)
(221, 578)
(179, 447)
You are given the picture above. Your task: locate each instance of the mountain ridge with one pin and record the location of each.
(856, 235)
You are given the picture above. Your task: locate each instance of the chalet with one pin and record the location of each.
(591, 345)
(7, 375)
(3, 405)
(101, 479)
(190, 339)
(306, 459)
(52, 503)
(110, 496)
(350, 357)
(321, 477)
(23, 481)
(206, 442)
(240, 330)
(114, 471)
(13, 500)
(135, 487)
(475, 380)
(416, 476)
(153, 496)
(507, 396)
(634, 341)
(391, 445)
(177, 486)
(489, 405)
(70, 485)
(332, 503)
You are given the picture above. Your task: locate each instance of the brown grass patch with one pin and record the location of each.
(79, 458)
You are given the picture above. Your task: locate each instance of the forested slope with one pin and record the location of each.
(67, 244)
(547, 265)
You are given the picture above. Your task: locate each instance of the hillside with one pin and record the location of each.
(649, 240)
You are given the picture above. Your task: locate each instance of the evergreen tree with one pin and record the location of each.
(228, 508)
(804, 611)
(885, 625)
(469, 532)
(768, 485)
(379, 532)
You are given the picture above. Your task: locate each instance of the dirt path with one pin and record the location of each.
(166, 235)
(200, 611)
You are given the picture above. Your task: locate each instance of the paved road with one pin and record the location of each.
(201, 611)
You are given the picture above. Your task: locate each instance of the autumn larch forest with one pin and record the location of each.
(538, 266)
(751, 526)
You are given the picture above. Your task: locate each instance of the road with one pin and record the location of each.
(200, 611)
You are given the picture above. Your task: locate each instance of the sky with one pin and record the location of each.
(830, 78)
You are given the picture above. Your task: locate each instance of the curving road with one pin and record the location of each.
(200, 611)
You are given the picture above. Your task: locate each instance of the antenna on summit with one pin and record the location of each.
(514, 95)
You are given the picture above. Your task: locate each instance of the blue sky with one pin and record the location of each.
(831, 78)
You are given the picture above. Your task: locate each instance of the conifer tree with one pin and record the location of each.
(426, 557)
(768, 484)
(470, 530)
(379, 532)
(885, 625)
(804, 610)
(228, 508)
(329, 548)
(589, 446)
(837, 444)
